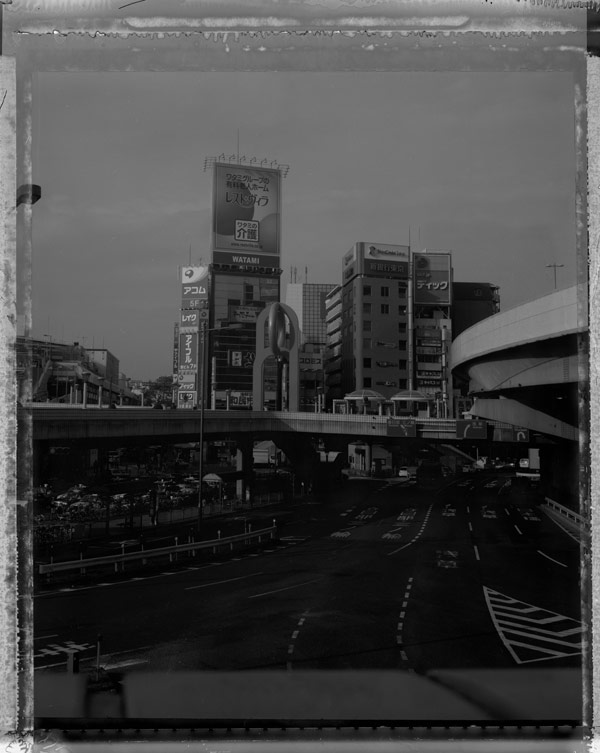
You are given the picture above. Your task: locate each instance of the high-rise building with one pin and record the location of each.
(332, 361)
(374, 318)
(245, 278)
(308, 299)
(472, 302)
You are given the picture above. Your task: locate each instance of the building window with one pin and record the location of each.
(366, 308)
(385, 308)
(401, 290)
(367, 381)
(402, 364)
(366, 363)
(367, 325)
(401, 326)
(402, 310)
(366, 343)
(366, 290)
(402, 384)
(385, 292)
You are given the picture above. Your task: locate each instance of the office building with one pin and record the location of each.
(472, 302)
(308, 300)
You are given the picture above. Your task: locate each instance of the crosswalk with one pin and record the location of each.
(62, 649)
(531, 633)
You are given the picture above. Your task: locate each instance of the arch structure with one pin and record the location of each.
(282, 343)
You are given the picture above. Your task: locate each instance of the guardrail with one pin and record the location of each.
(566, 512)
(144, 554)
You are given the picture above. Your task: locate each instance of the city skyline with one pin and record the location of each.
(482, 165)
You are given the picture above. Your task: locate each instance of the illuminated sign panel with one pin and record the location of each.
(188, 352)
(246, 212)
(432, 279)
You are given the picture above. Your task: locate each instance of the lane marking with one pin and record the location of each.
(218, 582)
(476, 551)
(470, 527)
(506, 511)
(468, 509)
(44, 637)
(518, 529)
(129, 663)
(287, 588)
(547, 556)
(295, 634)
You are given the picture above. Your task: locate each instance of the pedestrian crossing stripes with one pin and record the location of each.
(531, 633)
(56, 649)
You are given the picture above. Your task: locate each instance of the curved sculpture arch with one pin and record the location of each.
(282, 343)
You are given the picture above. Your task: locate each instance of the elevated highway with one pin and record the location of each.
(75, 424)
(525, 365)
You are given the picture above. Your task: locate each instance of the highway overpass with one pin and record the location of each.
(528, 366)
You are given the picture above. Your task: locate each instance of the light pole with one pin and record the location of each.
(86, 379)
(555, 267)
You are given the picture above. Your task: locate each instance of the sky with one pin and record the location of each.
(479, 164)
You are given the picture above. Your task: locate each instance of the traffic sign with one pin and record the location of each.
(474, 429)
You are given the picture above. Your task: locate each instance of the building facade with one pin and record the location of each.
(472, 302)
(308, 300)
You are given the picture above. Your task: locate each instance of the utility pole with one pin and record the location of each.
(555, 267)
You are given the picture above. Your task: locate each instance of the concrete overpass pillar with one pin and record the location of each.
(244, 461)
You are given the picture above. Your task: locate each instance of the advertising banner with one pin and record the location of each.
(191, 319)
(175, 351)
(312, 362)
(242, 314)
(432, 279)
(246, 209)
(384, 259)
(246, 260)
(188, 352)
(186, 399)
(194, 287)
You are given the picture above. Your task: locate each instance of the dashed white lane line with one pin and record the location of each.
(218, 582)
(420, 531)
(518, 529)
(547, 556)
(468, 509)
(287, 588)
(470, 527)
(295, 635)
(476, 551)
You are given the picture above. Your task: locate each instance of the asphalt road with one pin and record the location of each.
(377, 575)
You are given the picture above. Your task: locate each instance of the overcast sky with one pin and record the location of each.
(479, 164)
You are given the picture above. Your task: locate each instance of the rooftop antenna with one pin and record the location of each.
(306, 274)
(555, 267)
(190, 264)
(238, 145)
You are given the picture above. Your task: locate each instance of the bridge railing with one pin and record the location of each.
(166, 551)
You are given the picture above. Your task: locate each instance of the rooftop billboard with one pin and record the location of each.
(246, 211)
(432, 279)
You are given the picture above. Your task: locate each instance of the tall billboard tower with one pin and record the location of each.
(244, 274)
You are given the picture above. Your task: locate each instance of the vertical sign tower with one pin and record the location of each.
(193, 316)
(245, 273)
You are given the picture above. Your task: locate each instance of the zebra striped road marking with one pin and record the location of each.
(531, 633)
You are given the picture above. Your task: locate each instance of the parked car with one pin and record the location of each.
(404, 474)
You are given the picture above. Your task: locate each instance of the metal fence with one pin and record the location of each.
(172, 552)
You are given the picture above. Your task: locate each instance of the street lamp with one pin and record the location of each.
(555, 267)
(204, 330)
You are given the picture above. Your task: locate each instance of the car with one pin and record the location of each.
(404, 474)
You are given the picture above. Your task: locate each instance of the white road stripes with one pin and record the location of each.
(400, 626)
(295, 635)
(548, 635)
(418, 534)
